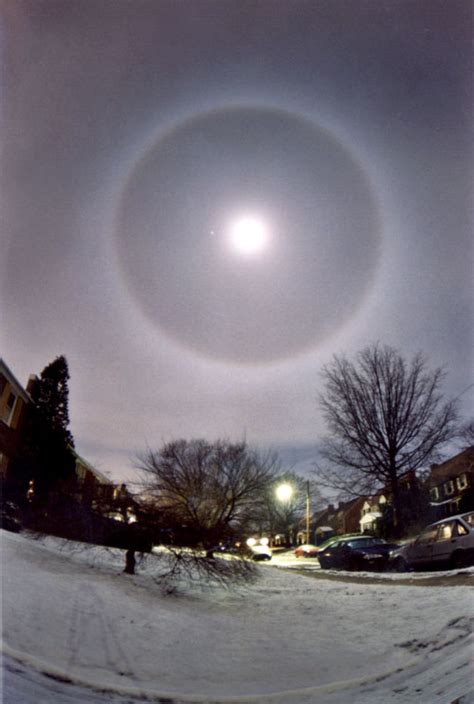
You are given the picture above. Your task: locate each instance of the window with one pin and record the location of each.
(434, 493)
(445, 531)
(459, 529)
(449, 488)
(8, 410)
(428, 535)
(469, 518)
(461, 481)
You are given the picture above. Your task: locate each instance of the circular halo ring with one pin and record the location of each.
(262, 157)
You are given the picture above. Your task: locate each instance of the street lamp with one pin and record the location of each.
(284, 492)
(307, 512)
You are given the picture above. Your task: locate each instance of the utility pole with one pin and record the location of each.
(307, 511)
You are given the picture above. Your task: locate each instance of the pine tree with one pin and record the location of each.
(50, 430)
(51, 397)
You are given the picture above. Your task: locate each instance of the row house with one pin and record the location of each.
(451, 484)
(14, 405)
(92, 487)
(338, 520)
(372, 512)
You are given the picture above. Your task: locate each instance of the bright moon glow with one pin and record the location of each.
(248, 235)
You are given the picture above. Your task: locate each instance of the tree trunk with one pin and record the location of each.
(130, 562)
(395, 504)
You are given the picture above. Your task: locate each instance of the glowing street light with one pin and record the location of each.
(284, 492)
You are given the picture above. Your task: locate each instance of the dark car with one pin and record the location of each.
(10, 517)
(448, 543)
(308, 550)
(359, 553)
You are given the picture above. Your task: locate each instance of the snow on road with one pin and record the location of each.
(76, 629)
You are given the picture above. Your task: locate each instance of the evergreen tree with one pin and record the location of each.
(51, 437)
(51, 397)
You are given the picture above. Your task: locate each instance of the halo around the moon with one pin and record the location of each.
(281, 192)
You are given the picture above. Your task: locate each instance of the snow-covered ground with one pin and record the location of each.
(76, 629)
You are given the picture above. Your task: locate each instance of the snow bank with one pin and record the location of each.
(68, 610)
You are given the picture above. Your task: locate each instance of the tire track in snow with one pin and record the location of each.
(92, 640)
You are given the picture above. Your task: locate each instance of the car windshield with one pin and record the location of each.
(330, 542)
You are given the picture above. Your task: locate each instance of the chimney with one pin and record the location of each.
(32, 381)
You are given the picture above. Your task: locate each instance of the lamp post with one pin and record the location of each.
(284, 492)
(307, 511)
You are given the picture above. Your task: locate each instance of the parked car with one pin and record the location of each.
(261, 552)
(336, 538)
(306, 550)
(356, 553)
(448, 543)
(10, 517)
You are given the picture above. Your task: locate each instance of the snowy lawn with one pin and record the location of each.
(76, 629)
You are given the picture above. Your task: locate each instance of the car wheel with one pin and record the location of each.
(459, 560)
(400, 565)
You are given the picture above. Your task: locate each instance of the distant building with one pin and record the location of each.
(372, 512)
(451, 484)
(338, 520)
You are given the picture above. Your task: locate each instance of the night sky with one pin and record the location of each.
(204, 201)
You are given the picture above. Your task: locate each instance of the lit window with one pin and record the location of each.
(445, 531)
(449, 488)
(462, 481)
(434, 493)
(460, 529)
(9, 408)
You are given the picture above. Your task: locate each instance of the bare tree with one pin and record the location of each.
(206, 492)
(191, 566)
(466, 434)
(385, 417)
(293, 514)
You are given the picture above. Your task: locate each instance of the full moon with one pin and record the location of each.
(248, 235)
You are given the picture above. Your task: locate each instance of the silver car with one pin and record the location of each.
(447, 543)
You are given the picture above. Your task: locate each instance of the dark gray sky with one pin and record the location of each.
(136, 134)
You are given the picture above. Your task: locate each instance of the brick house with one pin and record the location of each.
(451, 484)
(15, 403)
(337, 520)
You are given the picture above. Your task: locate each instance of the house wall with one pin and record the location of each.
(14, 401)
(451, 483)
